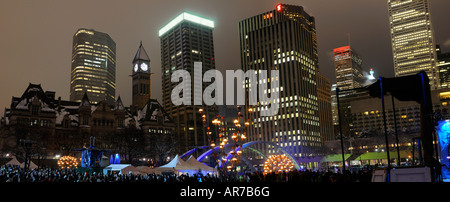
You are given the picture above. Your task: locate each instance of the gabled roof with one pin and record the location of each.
(119, 104)
(151, 111)
(141, 54)
(85, 101)
(33, 91)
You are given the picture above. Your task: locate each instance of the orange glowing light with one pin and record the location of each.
(279, 7)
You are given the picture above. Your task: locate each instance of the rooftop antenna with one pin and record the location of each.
(348, 36)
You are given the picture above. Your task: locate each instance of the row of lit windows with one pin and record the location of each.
(408, 12)
(423, 52)
(89, 86)
(81, 76)
(91, 51)
(105, 55)
(159, 131)
(410, 25)
(81, 72)
(33, 122)
(410, 62)
(413, 70)
(398, 37)
(83, 31)
(340, 57)
(399, 3)
(408, 15)
(90, 90)
(398, 43)
(297, 143)
(412, 52)
(414, 46)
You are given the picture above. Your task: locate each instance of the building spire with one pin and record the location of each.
(85, 101)
(141, 54)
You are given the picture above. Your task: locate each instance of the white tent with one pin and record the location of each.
(145, 170)
(118, 168)
(190, 167)
(15, 162)
(194, 167)
(33, 165)
(130, 169)
(172, 166)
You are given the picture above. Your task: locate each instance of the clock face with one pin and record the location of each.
(144, 67)
(135, 68)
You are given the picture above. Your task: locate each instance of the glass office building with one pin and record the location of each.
(186, 39)
(93, 67)
(412, 35)
(284, 39)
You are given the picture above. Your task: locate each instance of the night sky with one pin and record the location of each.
(36, 36)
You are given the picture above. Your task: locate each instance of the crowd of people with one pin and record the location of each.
(9, 173)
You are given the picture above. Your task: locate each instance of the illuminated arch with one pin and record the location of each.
(202, 156)
(192, 151)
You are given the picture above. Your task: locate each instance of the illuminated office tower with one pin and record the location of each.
(444, 67)
(412, 36)
(348, 68)
(186, 39)
(284, 39)
(93, 67)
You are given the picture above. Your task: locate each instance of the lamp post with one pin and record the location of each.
(26, 145)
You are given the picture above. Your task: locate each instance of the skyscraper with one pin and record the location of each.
(412, 36)
(348, 68)
(284, 39)
(141, 78)
(325, 110)
(93, 66)
(186, 39)
(444, 67)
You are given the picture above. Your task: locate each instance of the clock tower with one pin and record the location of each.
(141, 78)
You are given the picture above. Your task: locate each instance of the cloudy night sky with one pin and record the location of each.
(36, 36)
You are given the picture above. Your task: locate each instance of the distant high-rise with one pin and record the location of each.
(325, 108)
(444, 67)
(93, 66)
(348, 68)
(186, 39)
(412, 36)
(284, 39)
(141, 78)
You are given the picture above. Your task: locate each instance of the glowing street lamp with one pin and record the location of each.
(216, 121)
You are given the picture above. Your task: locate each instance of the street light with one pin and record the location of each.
(216, 121)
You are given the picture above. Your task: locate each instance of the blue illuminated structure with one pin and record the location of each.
(91, 157)
(443, 130)
(228, 157)
(116, 159)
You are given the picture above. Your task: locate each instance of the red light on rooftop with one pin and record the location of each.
(279, 7)
(341, 49)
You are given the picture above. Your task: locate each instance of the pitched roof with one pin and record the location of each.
(33, 91)
(141, 54)
(151, 110)
(85, 101)
(119, 104)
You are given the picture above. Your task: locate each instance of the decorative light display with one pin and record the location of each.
(277, 164)
(67, 162)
